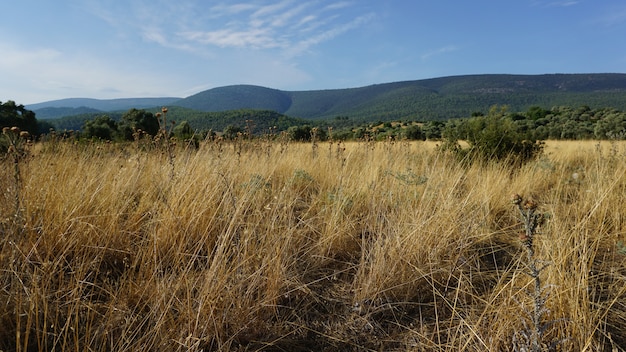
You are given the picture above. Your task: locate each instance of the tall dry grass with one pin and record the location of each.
(284, 247)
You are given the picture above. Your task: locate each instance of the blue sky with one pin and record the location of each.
(148, 48)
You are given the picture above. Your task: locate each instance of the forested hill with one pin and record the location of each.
(430, 99)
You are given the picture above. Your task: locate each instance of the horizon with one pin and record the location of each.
(141, 49)
(373, 84)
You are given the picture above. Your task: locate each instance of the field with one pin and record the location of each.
(269, 246)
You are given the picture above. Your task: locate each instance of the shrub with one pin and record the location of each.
(491, 137)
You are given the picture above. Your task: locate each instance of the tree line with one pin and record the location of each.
(537, 123)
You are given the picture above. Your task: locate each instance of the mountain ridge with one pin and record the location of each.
(51, 109)
(432, 98)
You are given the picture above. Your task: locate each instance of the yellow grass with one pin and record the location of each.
(377, 246)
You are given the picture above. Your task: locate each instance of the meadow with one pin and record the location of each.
(276, 246)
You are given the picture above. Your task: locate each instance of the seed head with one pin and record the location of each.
(516, 199)
(5, 130)
(15, 129)
(164, 110)
(530, 204)
(24, 134)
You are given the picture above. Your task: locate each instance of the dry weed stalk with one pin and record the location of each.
(533, 335)
(164, 134)
(17, 141)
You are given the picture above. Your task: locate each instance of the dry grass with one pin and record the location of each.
(390, 247)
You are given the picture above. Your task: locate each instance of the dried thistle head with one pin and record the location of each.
(5, 130)
(164, 110)
(523, 237)
(516, 199)
(24, 134)
(530, 204)
(15, 129)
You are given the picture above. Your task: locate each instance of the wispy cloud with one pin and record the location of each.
(305, 44)
(439, 51)
(559, 3)
(339, 5)
(255, 38)
(289, 25)
(563, 3)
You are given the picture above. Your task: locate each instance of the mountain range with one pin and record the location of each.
(428, 99)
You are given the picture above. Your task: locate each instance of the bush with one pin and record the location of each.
(414, 132)
(491, 137)
(102, 127)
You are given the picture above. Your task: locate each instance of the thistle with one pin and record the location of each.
(17, 141)
(532, 335)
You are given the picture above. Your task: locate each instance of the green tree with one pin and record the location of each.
(231, 132)
(432, 129)
(102, 127)
(492, 137)
(414, 132)
(299, 133)
(536, 113)
(611, 123)
(13, 115)
(134, 120)
(183, 131)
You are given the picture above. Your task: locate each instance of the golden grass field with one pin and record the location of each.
(268, 246)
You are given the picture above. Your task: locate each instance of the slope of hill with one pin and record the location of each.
(53, 113)
(103, 104)
(238, 97)
(429, 99)
(437, 98)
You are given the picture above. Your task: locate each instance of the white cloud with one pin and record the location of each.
(559, 3)
(338, 5)
(254, 38)
(284, 24)
(43, 74)
(563, 3)
(305, 44)
(266, 35)
(265, 11)
(439, 51)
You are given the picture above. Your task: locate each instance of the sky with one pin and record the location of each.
(108, 49)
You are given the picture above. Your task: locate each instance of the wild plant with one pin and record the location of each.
(218, 145)
(249, 130)
(16, 152)
(163, 139)
(314, 145)
(531, 338)
(283, 141)
(341, 153)
(269, 141)
(370, 142)
(614, 137)
(238, 144)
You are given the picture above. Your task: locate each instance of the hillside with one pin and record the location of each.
(42, 109)
(429, 99)
(238, 97)
(53, 113)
